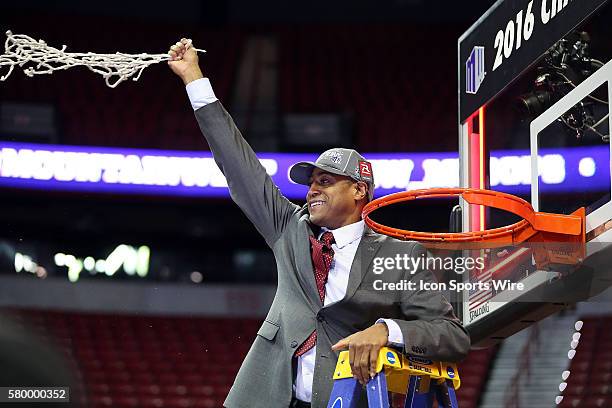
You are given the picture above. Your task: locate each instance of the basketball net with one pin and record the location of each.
(20, 49)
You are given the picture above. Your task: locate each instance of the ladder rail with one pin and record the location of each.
(422, 380)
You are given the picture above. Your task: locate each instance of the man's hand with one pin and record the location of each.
(363, 350)
(184, 61)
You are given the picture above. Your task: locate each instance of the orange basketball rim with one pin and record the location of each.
(534, 226)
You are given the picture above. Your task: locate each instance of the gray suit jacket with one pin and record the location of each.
(265, 379)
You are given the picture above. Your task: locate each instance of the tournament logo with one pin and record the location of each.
(475, 70)
(450, 372)
(335, 157)
(391, 357)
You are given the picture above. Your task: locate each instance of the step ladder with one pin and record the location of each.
(422, 380)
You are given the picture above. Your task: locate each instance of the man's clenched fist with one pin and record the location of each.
(184, 61)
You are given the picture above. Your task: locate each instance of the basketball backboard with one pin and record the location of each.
(533, 112)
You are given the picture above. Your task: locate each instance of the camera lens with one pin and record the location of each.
(534, 103)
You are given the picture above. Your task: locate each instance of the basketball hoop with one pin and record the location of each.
(545, 227)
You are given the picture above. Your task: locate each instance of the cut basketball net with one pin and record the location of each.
(20, 49)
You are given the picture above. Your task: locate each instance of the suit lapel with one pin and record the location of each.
(367, 249)
(304, 265)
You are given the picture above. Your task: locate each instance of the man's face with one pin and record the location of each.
(333, 200)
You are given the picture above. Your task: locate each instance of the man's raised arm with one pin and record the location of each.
(250, 186)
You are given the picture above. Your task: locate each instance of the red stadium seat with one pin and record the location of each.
(571, 402)
(133, 367)
(591, 369)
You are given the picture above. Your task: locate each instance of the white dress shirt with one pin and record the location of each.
(347, 240)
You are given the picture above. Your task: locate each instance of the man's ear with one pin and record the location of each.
(361, 190)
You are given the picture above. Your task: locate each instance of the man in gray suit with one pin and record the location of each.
(325, 300)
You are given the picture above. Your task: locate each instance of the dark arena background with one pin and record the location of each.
(149, 293)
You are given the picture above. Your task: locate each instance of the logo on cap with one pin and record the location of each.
(335, 156)
(365, 170)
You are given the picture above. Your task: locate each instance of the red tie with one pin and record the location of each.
(322, 256)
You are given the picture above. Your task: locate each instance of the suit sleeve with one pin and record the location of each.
(249, 184)
(429, 327)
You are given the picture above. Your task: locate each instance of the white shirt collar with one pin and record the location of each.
(347, 234)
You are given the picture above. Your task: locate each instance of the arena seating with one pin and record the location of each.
(152, 113)
(590, 382)
(473, 372)
(135, 361)
(373, 73)
(178, 362)
(401, 99)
